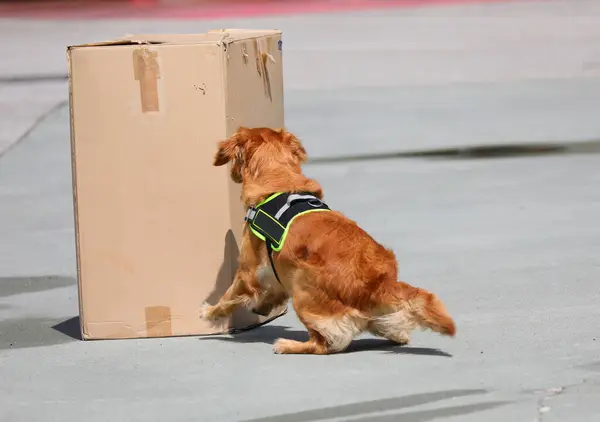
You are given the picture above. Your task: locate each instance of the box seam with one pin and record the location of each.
(84, 334)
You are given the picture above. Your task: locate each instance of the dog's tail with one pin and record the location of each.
(425, 307)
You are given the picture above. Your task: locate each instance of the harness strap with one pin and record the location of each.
(270, 253)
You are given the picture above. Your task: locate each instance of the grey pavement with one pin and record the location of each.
(512, 245)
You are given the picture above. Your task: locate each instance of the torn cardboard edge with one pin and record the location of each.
(211, 36)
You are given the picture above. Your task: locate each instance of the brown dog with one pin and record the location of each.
(341, 281)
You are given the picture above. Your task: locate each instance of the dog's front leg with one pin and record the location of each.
(273, 295)
(270, 301)
(245, 289)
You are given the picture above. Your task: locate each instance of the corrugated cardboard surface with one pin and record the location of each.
(157, 226)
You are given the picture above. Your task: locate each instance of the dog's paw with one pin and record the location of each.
(401, 338)
(283, 346)
(207, 313)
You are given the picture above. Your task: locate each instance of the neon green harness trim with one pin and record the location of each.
(271, 220)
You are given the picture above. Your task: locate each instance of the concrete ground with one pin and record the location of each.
(512, 244)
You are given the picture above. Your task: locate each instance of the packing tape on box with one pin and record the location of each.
(147, 72)
(158, 321)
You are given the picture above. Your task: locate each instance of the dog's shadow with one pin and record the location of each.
(267, 334)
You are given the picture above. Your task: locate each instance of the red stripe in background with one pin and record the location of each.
(202, 9)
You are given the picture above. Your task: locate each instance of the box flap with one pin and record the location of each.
(212, 36)
(175, 38)
(245, 33)
(115, 42)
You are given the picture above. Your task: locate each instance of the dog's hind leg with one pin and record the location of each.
(327, 334)
(316, 345)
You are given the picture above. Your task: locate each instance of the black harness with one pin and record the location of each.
(271, 219)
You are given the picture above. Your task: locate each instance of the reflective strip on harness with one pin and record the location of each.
(288, 203)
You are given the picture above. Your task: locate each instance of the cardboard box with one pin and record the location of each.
(157, 226)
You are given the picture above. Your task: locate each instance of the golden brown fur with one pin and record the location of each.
(341, 281)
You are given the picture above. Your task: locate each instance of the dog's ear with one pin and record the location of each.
(295, 145)
(229, 149)
(226, 152)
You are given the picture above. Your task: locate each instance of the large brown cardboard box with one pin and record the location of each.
(157, 226)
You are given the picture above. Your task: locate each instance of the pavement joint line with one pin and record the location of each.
(549, 393)
(33, 78)
(39, 120)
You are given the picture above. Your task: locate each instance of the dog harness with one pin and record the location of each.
(271, 219)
